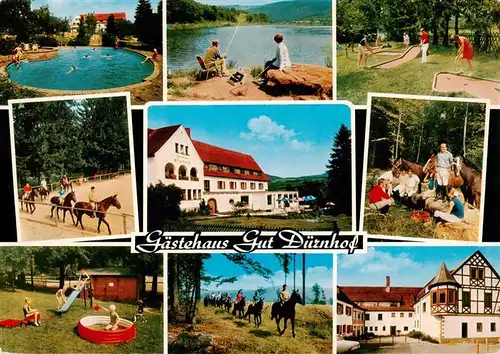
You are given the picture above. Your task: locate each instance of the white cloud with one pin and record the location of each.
(265, 129)
(319, 274)
(377, 262)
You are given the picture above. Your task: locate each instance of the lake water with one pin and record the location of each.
(252, 45)
(96, 71)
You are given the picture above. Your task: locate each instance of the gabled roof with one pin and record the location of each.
(341, 296)
(443, 276)
(158, 137)
(478, 252)
(219, 156)
(104, 17)
(403, 295)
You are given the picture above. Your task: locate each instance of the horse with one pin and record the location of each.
(29, 201)
(416, 168)
(44, 193)
(56, 203)
(220, 302)
(256, 311)
(286, 311)
(206, 301)
(66, 185)
(455, 180)
(84, 208)
(227, 305)
(473, 181)
(239, 308)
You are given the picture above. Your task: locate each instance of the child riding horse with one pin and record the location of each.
(84, 208)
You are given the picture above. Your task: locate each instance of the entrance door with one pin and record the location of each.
(464, 330)
(393, 330)
(213, 206)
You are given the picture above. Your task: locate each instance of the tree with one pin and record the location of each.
(15, 18)
(13, 261)
(91, 24)
(144, 20)
(316, 289)
(82, 37)
(66, 259)
(285, 260)
(110, 25)
(163, 205)
(339, 172)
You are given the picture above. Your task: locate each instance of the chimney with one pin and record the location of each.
(388, 284)
(188, 131)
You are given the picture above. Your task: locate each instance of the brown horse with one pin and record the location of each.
(82, 208)
(286, 312)
(29, 200)
(67, 185)
(56, 203)
(44, 193)
(455, 180)
(473, 181)
(416, 168)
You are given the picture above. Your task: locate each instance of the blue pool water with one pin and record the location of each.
(93, 73)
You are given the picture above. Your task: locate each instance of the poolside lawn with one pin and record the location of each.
(354, 83)
(325, 222)
(57, 334)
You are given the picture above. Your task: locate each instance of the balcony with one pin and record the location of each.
(183, 178)
(196, 179)
(170, 176)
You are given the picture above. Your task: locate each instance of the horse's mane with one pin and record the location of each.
(111, 197)
(468, 163)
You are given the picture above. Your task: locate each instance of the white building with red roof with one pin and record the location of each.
(452, 307)
(219, 176)
(101, 20)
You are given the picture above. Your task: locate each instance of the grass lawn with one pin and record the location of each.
(354, 83)
(57, 334)
(313, 328)
(325, 222)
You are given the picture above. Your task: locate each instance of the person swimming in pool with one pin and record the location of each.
(86, 56)
(107, 57)
(73, 68)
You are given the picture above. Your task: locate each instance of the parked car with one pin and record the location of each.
(368, 335)
(345, 346)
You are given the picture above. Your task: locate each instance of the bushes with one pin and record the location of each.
(46, 41)
(6, 46)
(8, 91)
(108, 40)
(422, 336)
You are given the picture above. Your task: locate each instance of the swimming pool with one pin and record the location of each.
(97, 68)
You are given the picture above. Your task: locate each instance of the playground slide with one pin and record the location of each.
(407, 56)
(72, 297)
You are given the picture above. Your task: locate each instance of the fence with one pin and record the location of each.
(82, 180)
(483, 42)
(126, 228)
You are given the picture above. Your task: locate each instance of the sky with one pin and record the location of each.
(319, 269)
(238, 2)
(285, 140)
(73, 8)
(407, 266)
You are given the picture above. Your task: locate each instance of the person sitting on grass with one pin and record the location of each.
(152, 57)
(215, 60)
(30, 312)
(61, 296)
(465, 52)
(378, 199)
(363, 49)
(455, 212)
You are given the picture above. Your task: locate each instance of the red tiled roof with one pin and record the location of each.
(104, 17)
(404, 295)
(219, 156)
(158, 137)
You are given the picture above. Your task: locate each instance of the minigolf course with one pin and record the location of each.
(410, 54)
(72, 297)
(475, 86)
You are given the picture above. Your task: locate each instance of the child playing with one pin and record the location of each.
(61, 296)
(140, 312)
(81, 282)
(114, 319)
(30, 312)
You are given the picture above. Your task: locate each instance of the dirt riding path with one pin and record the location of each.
(39, 225)
(407, 56)
(477, 87)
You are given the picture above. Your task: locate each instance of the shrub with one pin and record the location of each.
(6, 46)
(188, 343)
(108, 40)
(46, 41)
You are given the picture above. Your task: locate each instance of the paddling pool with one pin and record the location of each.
(95, 72)
(125, 333)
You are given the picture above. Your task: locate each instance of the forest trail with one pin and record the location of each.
(313, 329)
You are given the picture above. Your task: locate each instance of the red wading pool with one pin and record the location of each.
(125, 333)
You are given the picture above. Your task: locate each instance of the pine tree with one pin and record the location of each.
(110, 25)
(339, 172)
(144, 20)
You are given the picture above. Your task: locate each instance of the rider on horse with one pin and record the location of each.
(284, 295)
(256, 297)
(239, 296)
(27, 190)
(61, 193)
(43, 184)
(92, 198)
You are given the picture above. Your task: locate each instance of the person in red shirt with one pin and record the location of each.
(424, 45)
(465, 52)
(239, 296)
(378, 198)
